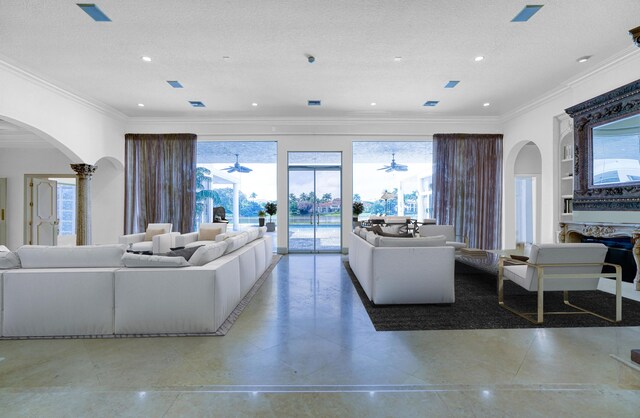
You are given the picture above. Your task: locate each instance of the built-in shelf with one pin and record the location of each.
(565, 169)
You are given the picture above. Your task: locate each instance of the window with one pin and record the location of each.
(393, 178)
(240, 176)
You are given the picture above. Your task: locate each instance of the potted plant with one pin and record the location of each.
(357, 209)
(261, 216)
(271, 208)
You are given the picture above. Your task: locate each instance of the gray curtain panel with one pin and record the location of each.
(160, 181)
(467, 184)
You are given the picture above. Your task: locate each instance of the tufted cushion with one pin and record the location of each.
(373, 238)
(208, 253)
(253, 234)
(261, 231)
(154, 261)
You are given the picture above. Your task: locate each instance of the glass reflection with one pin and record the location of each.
(616, 152)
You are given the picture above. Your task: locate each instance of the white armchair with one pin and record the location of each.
(206, 234)
(158, 238)
(559, 267)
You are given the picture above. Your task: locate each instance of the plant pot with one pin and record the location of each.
(261, 221)
(271, 226)
(354, 222)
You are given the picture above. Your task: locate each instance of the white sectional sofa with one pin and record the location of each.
(87, 291)
(403, 270)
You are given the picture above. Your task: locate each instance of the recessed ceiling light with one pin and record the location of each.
(146, 59)
(451, 84)
(397, 59)
(584, 59)
(314, 102)
(226, 58)
(526, 13)
(487, 104)
(196, 103)
(175, 84)
(431, 103)
(140, 104)
(373, 103)
(478, 58)
(254, 104)
(93, 11)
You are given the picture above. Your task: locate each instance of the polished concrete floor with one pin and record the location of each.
(305, 347)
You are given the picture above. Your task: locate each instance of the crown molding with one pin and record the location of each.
(318, 121)
(613, 61)
(11, 67)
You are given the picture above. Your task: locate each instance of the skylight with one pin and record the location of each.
(451, 84)
(175, 84)
(431, 103)
(196, 103)
(93, 11)
(313, 103)
(526, 13)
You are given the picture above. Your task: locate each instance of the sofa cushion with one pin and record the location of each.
(363, 233)
(154, 261)
(373, 238)
(152, 232)
(186, 252)
(208, 233)
(236, 242)
(146, 246)
(261, 231)
(253, 234)
(3, 249)
(207, 253)
(437, 241)
(9, 260)
(42, 256)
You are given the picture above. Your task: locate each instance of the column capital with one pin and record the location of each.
(84, 170)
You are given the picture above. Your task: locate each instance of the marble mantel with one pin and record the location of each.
(574, 231)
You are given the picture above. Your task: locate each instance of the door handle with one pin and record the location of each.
(2, 215)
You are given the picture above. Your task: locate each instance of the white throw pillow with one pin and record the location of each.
(236, 242)
(3, 249)
(154, 261)
(208, 253)
(9, 260)
(252, 234)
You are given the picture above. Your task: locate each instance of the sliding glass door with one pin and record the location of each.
(315, 206)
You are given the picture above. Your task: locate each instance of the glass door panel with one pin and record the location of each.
(314, 202)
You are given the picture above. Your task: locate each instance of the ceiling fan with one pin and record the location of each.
(394, 166)
(237, 167)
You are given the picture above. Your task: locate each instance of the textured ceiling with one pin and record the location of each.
(354, 43)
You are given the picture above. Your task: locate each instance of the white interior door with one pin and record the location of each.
(3, 211)
(44, 217)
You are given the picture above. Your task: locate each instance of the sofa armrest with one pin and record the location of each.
(184, 239)
(131, 238)
(163, 243)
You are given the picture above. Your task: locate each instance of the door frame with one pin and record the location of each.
(315, 169)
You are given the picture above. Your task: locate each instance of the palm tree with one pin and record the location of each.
(202, 193)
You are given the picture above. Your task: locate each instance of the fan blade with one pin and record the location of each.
(230, 169)
(243, 169)
(402, 168)
(388, 170)
(386, 167)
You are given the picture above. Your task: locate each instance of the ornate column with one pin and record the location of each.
(83, 202)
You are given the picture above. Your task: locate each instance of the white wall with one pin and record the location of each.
(536, 123)
(14, 164)
(81, 130)
(107, 202)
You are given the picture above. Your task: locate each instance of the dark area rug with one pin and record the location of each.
(476, 307)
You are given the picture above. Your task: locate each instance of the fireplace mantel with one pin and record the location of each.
(574, 231)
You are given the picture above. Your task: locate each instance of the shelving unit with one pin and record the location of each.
(565, 173)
